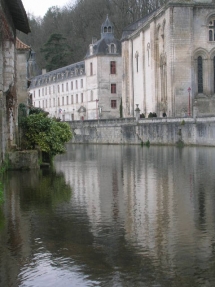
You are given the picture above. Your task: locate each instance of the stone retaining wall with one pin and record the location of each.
(166, 131)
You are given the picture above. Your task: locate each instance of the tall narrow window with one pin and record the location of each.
(58, 88)
(81, 83)
(91, 69)
(112, 48)
(82, 97)
(53, 102)
(67, 100)
(71, 85)
(137, 61)
(39, 93)
(200, 75)
(113, 67)
(214, 74)
(63, 101)
(67, 87)
(91, 95)
(113, 104)
(76, 84)
(71, 99)
(113, 88)
(212, 30)
(76, 98)
(62, 88)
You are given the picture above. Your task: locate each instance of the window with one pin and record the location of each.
(113, 104)
(212, 30)
(81, 83)
(112, 48)
(113, 67)
(214, 73)
(46, 104)
(42, 91)
(62, 88)
(77, 98)
(50, 103)
(71, 85)
(58, 101)
(45, 90)
(53, 89)
(58, 88)
(91, 69)
(91, 95)
(39, 103)
(200, 74)
(39, 93)
(67, 87)
(137, 61)
(34, 94)
(109, 29)
(113, 88)
(76, 84)
(71, 99)
(53, 102)
(82, 97)
(49, 90)
(63, 101)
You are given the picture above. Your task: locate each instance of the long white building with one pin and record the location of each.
(89, 89)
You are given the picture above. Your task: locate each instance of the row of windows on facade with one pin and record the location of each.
(112, 88)
(70, 99)
(200, 73)
(44, 103)
(49, 90)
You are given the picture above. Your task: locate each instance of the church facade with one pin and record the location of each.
(168, 61)
(90, 89)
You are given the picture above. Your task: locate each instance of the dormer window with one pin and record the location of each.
(105, 29)
(109, 29)
(212, 30)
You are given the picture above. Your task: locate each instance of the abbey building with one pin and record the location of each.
(169, 60)
(89, 89)
(165, 64)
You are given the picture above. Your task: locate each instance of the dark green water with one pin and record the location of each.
(111, 216)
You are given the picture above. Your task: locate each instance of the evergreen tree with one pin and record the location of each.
(56, 52)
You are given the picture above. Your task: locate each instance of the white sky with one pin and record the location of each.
(40, 7)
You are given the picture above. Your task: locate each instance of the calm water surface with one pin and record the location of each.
(111, 216)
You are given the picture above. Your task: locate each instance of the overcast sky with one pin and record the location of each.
(40, 7)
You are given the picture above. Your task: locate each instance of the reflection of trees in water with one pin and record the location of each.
(49, 189)
(2, 219)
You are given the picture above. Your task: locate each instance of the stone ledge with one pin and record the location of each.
(27, 159)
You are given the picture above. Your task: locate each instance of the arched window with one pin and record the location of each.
(200, 74)
(112, 48)
(105, 29)
(109, 29)
(212, 30)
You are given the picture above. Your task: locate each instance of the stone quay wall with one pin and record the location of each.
(158, 131)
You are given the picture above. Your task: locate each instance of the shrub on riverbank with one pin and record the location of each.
(49, 134)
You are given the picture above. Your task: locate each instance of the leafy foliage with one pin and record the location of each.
(47, 133)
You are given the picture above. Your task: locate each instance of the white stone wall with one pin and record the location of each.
(168, 45)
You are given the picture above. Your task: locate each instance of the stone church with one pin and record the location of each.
(90, 89)
(168, 60)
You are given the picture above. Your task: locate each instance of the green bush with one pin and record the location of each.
(48, 134)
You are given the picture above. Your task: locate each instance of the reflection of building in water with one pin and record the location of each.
(155, 194)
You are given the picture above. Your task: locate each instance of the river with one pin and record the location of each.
(108, 215)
